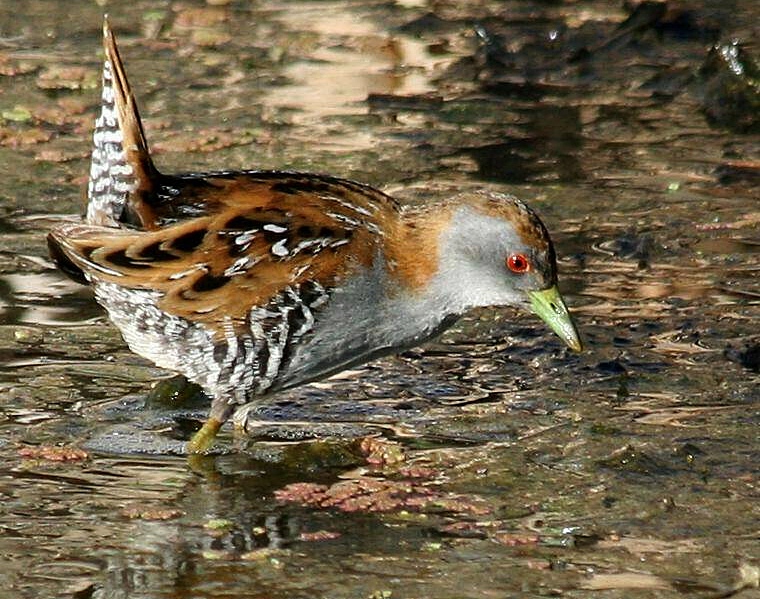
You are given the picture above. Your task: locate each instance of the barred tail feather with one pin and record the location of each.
(121, 170)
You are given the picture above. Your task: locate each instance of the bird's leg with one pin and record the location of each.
(203, 439)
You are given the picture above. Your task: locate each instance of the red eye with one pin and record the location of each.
(518, 264)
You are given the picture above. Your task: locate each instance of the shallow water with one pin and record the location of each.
(491, 462)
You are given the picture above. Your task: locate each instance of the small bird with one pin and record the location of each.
(251, 282)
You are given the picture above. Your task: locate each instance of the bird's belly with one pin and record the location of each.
(346, 338)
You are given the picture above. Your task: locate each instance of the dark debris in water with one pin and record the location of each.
(748, 355)
(631, 245)
(393, 102)
(638, 461)
(730, 87)
(743, 172)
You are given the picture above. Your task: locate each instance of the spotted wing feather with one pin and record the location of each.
(222, 265)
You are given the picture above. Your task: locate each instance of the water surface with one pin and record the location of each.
(491, 462)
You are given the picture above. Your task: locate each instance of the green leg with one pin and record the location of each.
(202, 440)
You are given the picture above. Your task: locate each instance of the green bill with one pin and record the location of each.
(550, 307)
